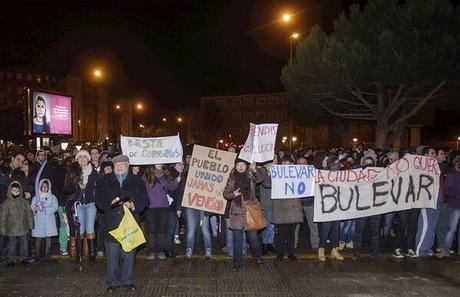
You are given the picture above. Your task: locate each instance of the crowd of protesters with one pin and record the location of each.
(45, 195)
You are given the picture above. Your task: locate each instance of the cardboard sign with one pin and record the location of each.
(206, 179)
(292, 181)
(410, 182)
(260, 144)
(152, 150)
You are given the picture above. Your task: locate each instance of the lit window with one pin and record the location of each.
(39, 78)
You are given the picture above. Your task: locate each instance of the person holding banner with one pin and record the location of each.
(330, 230)
(113, 188)
(158, 181)
(372, 221)
(265, 196)
(241, 184)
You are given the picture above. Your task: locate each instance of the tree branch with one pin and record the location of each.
(360, 116)
(415, 109)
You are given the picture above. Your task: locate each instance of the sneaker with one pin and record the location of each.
(349, 245)
(411, 253)
(100, 254)
(188, 253)
(397, 254)
(259, 262)
(130, 288)
(111, 289)
(161, 256)
(208, 254)
(151, 256)
(176, 239)
(64, 253)
(341, 245)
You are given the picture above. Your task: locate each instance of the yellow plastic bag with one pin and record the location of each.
(128, 233)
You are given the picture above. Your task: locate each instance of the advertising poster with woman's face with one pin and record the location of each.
(52, 114)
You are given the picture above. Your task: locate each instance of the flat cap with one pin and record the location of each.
(120, 158)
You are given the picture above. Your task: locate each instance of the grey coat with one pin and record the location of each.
(237, 213)
(16, 217)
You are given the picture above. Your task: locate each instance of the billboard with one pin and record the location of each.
(51, 114)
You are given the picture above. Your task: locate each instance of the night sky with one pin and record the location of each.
(171, 52)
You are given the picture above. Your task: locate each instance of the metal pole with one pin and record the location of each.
(290, 50)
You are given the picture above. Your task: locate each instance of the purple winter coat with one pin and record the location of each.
(158, 193)
(452, 190)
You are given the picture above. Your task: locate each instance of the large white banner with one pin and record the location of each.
(292, 181)
(410, 182)
(260, 144)
(152, 150)
(207, 178)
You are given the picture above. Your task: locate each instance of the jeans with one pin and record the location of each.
(427, 221)
(347, 230)
(171, 223)
(329, 230)
(156, 228)
(63, 237)
(388, 219)
(194, 216)
(114, 252)
(374, 224)
(286, 234)
(314, 236)
(3, 247)
(229, 240)
(38, 248)
(23, 248)
(268, 234)
(454, 216)
(214, 220)
(87, 216)
(238, 245)
(443, 224)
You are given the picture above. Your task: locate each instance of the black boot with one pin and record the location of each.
(264, 250)
(92, 250)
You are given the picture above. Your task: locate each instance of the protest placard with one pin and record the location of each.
(260, 144)
(292, 181)
(152, 150)
(410, 182)
(206, 179)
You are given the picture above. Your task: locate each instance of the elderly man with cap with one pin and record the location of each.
(120, 185)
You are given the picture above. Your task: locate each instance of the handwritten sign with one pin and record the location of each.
(292, 181)
(410, 182)
(152, 150)
(260, 144)
(206, 179)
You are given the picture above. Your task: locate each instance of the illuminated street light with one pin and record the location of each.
(164, 120)
(180, 120)
(221, 141)
(97, 73)
(284, 138)
(286, 17)
(294, 139)
(355, 140)
(139, 106)
(295, 35)
(458, 140)
(141, 126)
(118, 106)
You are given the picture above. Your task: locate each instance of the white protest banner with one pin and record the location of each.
(292, 181)
(260, 144)
(152, 150)
(410, 182)
(206, 179)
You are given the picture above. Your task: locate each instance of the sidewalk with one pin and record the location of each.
(199, 277)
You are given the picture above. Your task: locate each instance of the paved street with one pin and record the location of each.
(199, 277)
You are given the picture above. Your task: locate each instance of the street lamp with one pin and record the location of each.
(79, 124)
(141, 126)
(164, 120)
(291, 41)
(179, 119)
(355, 140)
(458, 140)
(294, 139)
(97, 73)
(139, 106)
(286, 17)
(118, 107)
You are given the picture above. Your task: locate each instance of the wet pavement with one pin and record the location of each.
(199, 277)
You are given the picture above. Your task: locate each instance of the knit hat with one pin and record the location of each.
(238, 160)
(120, 158)
(83, 153)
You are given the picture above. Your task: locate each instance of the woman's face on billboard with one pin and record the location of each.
(40, 108)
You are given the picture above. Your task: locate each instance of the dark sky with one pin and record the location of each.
(171, 51)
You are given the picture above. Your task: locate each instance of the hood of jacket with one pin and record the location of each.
(8, 192)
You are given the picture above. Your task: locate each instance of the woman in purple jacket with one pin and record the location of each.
(158, 182)
(452, 195)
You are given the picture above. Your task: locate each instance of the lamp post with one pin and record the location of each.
(78, 135)
(458, 140)
(291, 41)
